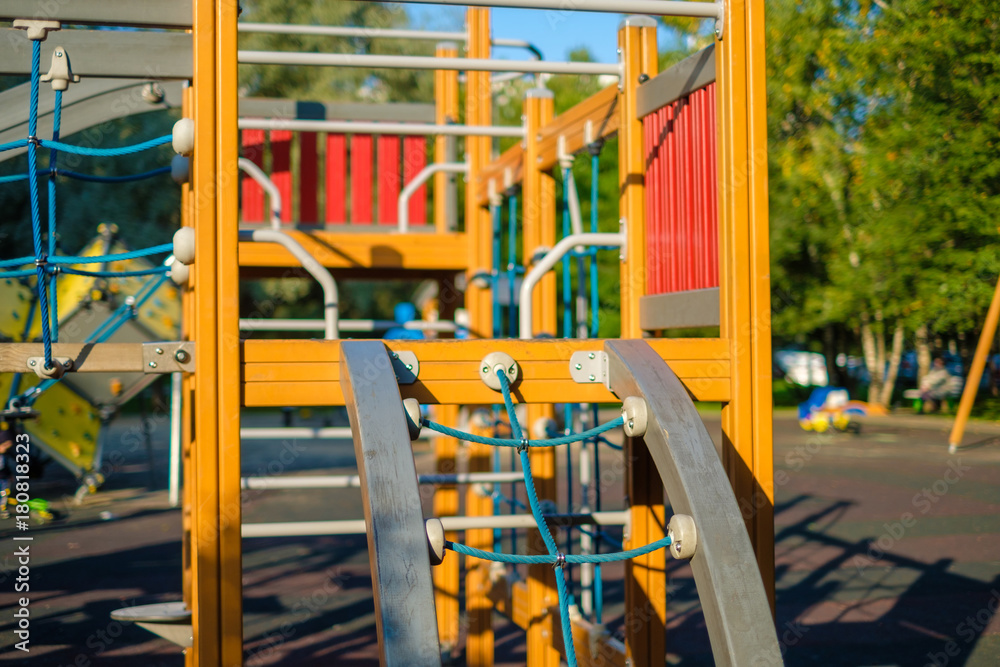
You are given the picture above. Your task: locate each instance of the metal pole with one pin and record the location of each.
(343, 325)
(549, 260)
(975, 372)
(709, 10)
(423, 62)
(451, 523)
(378, 33)
(356, 127)
(295, 433)
(311, 265)
(262, 179)
(403, 209)
(173, 492)
(354, 481)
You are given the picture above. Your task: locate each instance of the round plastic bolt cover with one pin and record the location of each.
(184, 245)
(435, 540)
(183, 136)
(683, 536)
(635, 414)
(411, 407)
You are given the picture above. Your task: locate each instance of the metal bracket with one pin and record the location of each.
(60, 72)
(59, 366)
(720, 22)
(176, 357)
(493, 362)
(37, 29)
(405, 365)
(589, 367)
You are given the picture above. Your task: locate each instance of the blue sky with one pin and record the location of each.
(556, 33)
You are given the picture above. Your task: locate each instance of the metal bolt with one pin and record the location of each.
(182, 356)
(394, 355)
(159, 350)
(592, 378)
(631, 423)
(59, 54)
(579, 367)
(409, 367)
(590, 356)
(152, 364)
(486, 369)
(677, 546)
(32, 363)
(510, 371)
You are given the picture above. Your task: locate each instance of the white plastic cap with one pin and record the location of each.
(183, 141)
(180, 169)
(184, 245)
(179, 273)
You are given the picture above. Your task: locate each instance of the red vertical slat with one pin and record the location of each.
(388, 179)
(414, 161)
(648, 152)
(660, 202)
(713, 179)
(281, 169)
(701, 213)
(336, 179)
(252, 195)
(689, 196)
(308, 178)
(672, 194)
(362, 163)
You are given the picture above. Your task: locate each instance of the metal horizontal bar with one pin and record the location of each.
(410, 112)
(133, 13)
(345, 325)
(680, 310)
(355, 127)
(112, 54)
(375, 33)
(650, 7)
(295, 433)
(354, 481)
(455, 523)
(694, 72)
(422, 62)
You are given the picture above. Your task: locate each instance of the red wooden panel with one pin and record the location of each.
(388, 179)
(362, 163)
(682, 195)
(308, 177)
(414, 161)
(281, 169)
(336, 179)
(252, 195)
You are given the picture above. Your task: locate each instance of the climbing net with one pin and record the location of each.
(554, 556)
(47, 265)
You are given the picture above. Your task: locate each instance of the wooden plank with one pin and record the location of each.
(281, 170)
(388, 148)
(362, 164)
(414, 161)
(507, 170)
(599, 110)
(348, 250)
(91, 357)
(308, 179)
(397, 540)
(446, 503)
(336, 179)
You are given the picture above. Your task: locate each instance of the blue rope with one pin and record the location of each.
(114, 274)
(507, 442)
(11, 145)
(36, 215)
(107, 152)
(90, 178)
(17, 261)
(104, 259)
(546, 559)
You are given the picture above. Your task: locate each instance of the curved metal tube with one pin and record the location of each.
(403, 209)
(551, 258)
(264, 181)
(331, 298)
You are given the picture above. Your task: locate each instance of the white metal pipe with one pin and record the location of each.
(709, 10)
(343, 325)
(379, 61)
(265, 182)
(295, 433)
(376, 33)
(403, 207)
(174, 485)
(456, 523)
(363, 127)
(550, 259)
(354, 481)
(311, 265)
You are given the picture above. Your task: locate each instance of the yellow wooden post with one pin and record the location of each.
(478, 603)
(216, 594)
(975, 371)
(645, 579)
(744, 272)
(446, 575)
(187, 409)
(445, 111)
(538, 230)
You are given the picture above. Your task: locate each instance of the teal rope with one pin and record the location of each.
(104, 259)
(546, 559)
(114, 274)
(107, 152)
(507, 442)
(11, 145)
(90, 178)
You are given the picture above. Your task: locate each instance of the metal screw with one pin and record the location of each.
(32, 363)
(59, 54)
(409, 367)
(631, 423)
(394, 355)
(159, 350)
(677, 546)
(486, 369)
(579, 367)
(510, 371)
(152, 364)
(590, 356)
(592, 378)
(182, 356)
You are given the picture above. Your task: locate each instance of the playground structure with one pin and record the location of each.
(691, 243)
